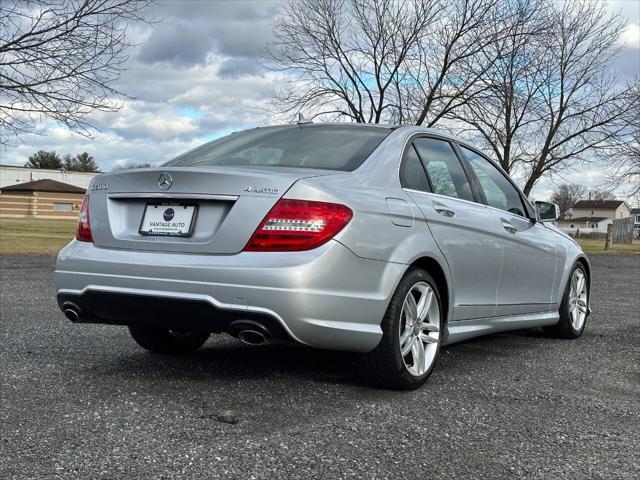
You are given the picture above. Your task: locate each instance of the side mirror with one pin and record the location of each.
(547, 212)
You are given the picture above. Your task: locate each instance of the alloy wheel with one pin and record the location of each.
(578, 299)
(419, 329)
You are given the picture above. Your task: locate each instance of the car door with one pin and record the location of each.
(528, 251)
(433, 176)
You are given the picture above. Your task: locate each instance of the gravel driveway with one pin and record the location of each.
(83, 401)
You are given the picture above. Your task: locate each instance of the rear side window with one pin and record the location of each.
(412, 174)
(499, 191)
(329, 147)
(444, 169)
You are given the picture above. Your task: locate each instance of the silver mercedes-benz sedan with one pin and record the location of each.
(386, 241)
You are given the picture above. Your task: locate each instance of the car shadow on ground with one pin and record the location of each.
(225, 358)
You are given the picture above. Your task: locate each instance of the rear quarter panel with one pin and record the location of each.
(388, 231)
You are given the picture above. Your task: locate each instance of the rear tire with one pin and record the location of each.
(165, 341)
(411, 335)
(574, 307)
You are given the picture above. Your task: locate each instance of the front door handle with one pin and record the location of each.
(508, 226)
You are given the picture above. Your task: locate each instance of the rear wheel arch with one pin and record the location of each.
(572, 317)
(433, 267)
(584, 263)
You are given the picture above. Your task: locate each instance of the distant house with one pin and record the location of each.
(593, 216)
(41, 198)
(601, 208)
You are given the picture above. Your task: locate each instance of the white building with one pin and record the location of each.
(585, 224)
(12, 175)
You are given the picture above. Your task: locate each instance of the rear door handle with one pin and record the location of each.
(508, 226)
(442, 210)
(446, 212)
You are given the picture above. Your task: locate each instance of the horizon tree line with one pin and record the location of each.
(81, 162)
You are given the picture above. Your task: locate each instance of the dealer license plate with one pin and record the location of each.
(175, 220)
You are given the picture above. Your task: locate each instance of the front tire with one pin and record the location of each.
(574, 308)
(165, 341)
(411, 335)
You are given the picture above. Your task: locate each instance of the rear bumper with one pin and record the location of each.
(326, 298)
(172, 312)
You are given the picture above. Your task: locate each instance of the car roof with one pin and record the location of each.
(410, 129)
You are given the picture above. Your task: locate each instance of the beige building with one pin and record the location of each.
(601, 208)
(593, 216)
(41, 198)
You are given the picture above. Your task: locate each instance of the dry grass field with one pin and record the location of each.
(597, 247)
(34, 235)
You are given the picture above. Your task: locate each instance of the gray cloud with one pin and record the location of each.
(176, 43)
(627, 64)
(189, 32)
(237, 67)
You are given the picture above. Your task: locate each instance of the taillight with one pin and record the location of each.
(83, 233)
(299, 225)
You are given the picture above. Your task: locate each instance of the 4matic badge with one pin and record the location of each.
(269, 190)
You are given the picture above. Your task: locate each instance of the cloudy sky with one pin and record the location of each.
(196, 75)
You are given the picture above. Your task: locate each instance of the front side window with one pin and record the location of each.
(412, 174)
(444, 169)
(328, 147)
(499, 191)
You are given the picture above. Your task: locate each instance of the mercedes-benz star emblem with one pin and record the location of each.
(165, 181)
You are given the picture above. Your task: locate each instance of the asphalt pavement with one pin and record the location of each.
(84, 401)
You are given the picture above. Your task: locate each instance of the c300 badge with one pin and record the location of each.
(96, 187)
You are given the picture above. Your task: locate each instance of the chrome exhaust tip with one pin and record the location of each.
(252, 337)
(71, 315)
(72, 312)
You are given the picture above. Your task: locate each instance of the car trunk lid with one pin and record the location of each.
(230, 204)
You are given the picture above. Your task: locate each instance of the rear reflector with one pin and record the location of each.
(83, 233)
(299, 225)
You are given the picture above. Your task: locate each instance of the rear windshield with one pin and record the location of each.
(329, 147)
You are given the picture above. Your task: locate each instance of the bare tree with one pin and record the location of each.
(601, 194)
(530, 79)
(552, 100)
(59, 60)
(622, 153)
(450, 61)
(503, 115)
(346, 56)
(381, 60)
(566, 196)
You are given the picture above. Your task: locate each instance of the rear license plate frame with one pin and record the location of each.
(186, 234)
